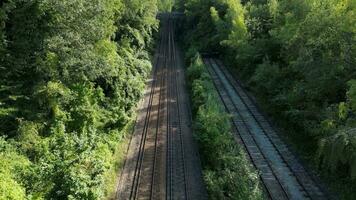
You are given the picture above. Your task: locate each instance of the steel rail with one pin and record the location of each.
(121, 193)
(138, 169)
(158, 133)
(177, 94)
(159, 169)
(169, 133)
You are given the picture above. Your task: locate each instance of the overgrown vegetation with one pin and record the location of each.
(166, 5)
(299, 57)
(71, 73)
(227, 172)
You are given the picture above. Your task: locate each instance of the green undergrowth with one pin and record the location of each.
(227, 172)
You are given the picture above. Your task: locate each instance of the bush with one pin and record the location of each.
(13, 166)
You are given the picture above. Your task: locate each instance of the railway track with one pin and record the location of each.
(281, 173)
(157, 165)
(176, 156)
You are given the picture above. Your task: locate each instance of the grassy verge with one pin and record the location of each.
(227, 172)
(117, 161)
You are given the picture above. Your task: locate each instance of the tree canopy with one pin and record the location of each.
(71, 73)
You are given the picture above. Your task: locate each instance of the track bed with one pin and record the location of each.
(282, 174)
(162, 160)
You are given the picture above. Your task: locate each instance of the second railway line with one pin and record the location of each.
(281, 173)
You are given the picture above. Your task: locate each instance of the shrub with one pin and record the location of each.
(12, 168)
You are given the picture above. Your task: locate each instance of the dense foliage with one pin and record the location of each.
(299, 57)
(71, 73)
(227, 172)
